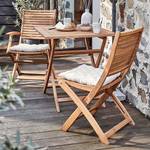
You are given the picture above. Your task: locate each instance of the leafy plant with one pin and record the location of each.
(20, 5)
(9, 95)
(2, 42)
(2, 30)
(7, 144)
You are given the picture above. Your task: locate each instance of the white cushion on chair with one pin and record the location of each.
(29, 47)
(87, 75)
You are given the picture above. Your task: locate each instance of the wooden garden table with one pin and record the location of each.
(52, 35)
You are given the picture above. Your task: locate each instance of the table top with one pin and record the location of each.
(48, 33)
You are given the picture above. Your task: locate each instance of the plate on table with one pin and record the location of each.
(84, 28)
(67, 29)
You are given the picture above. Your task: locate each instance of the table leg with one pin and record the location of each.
(91, 55)
(49, 70)
(101, 52)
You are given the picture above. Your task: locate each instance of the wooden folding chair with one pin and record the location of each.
(120, 60)
(24, 53)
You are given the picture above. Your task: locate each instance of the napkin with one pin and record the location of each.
(59, 25)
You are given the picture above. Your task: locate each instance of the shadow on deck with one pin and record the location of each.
(40, 120)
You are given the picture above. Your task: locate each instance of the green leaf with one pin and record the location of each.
(9, 95)
(18, 138)
(2, 30)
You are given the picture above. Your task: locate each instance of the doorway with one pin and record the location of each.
(71, 9)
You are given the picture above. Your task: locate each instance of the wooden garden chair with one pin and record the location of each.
(101, 83)
(32, 53)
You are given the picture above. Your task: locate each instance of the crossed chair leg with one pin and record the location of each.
(88, 113)
(16, 65)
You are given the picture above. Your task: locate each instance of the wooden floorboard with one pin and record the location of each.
(39, 120)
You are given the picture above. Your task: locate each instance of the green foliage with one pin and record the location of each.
(7, 144)
(20, 5)
(2, 30)
(9, 95)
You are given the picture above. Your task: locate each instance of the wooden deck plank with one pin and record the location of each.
(40, 120)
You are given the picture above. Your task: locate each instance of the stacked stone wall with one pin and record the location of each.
(132, 14)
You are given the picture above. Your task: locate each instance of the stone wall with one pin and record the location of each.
(133, 14)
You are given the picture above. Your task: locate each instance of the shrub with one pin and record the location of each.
(7, 144)
(9, 95)
(20, 5)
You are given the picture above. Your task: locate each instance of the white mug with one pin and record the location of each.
(67, 21)
(96, 27)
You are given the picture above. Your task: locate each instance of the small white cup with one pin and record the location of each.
(67, 21)
(96, 27)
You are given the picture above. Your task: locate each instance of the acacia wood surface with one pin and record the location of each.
(55, 34)
(52, 35)
(36, 17)
(115, 64)
(29, 19)
(40, 121)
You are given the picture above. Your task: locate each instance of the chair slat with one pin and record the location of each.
(121, 57)
(125, 49)
(36, 17)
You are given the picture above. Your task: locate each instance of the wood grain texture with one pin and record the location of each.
(39, 119)
(5, 3)
(121, 57)
(54, 34)
(7, 11)
(36, 17)
(29, 19)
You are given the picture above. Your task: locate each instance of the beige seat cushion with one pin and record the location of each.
(29, 47)
(86, 74)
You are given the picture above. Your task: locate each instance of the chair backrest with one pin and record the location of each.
(121, 58)
(124, 50)
(30, 18)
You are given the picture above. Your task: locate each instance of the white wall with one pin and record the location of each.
(96, 15)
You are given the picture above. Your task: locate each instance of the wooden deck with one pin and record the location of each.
(39, 120)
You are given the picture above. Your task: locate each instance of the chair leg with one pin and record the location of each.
(122, 109)
(54, 86)
(55, 92)
(116, 128)
(91, 55)
(15, 66)
(77, 113)
(86, 113)
(123, 123)
(101, 54)
(73, 117)
(69, 122)
(50, 61)
(99, 103)
(13, 57)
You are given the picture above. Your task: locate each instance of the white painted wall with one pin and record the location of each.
(96, 15)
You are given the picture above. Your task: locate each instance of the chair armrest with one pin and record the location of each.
(10, 41)
(13, 33)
